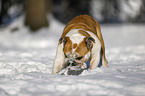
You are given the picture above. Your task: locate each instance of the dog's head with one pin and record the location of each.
(76, 53)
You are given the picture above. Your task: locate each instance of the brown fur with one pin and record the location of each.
(84, 33)
(68, 45)
(74, 45)
(82, 50)
(84, 22)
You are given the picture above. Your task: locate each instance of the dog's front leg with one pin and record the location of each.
(95, 61)
(59, 59)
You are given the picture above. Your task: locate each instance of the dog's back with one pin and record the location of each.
(82, 22)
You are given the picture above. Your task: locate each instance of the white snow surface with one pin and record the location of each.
(26, 61)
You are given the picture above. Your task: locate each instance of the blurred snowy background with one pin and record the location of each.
(29, 33)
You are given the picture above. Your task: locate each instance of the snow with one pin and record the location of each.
(26, 61)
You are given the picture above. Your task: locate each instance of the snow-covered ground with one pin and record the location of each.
(26, 61)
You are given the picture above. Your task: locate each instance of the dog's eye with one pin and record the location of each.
(79, 58)
(65, 55)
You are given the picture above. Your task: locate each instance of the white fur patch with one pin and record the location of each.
(75, 36)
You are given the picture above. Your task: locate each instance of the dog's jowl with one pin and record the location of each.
(80, 42)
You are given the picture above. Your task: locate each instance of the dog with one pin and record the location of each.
(80, 42)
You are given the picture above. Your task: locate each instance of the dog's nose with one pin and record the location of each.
(73, 62)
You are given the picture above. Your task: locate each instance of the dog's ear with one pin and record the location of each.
(89, 42)
(62, 40)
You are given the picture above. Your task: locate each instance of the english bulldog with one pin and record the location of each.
(80, 42)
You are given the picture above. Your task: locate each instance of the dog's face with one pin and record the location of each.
(76, 53)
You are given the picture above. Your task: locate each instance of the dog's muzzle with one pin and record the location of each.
(72, 62)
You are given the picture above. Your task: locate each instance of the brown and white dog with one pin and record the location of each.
(81, 41)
